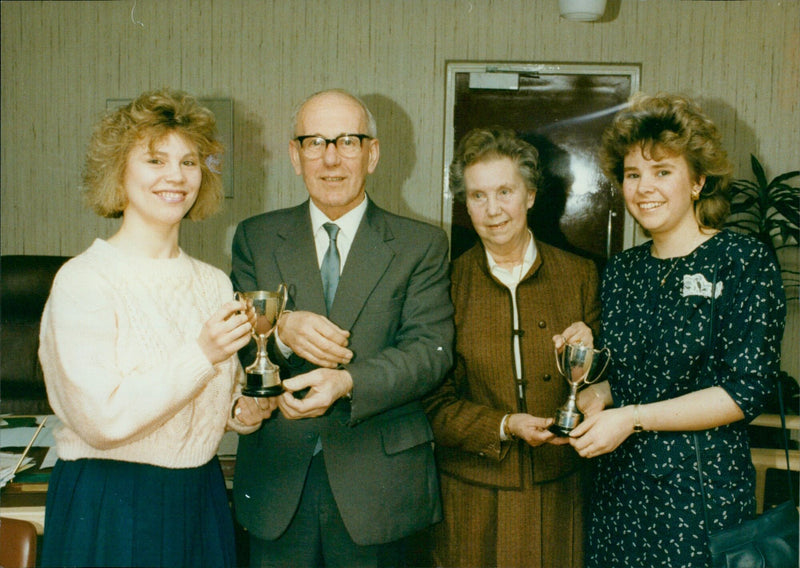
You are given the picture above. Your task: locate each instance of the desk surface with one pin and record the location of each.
(774, 421)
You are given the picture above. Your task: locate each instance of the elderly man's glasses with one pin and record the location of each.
(348, 145)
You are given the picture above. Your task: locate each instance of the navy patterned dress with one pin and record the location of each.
(646, 507)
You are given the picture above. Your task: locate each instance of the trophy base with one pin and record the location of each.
(560, 431)
(263, 392)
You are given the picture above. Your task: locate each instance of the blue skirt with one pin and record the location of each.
(115, 513)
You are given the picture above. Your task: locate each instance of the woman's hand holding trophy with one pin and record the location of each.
(224, 333)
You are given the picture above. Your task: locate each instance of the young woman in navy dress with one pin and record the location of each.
(682, 363)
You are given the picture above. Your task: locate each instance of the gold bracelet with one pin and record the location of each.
(637, 426)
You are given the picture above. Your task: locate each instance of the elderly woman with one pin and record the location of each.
(509, 497)
(137, 346)
(694, 319)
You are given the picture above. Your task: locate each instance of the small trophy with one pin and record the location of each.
(263, 376)
(579, 365)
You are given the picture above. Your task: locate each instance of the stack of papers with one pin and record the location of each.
(8, 463)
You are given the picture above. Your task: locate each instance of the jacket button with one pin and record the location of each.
(542, 324)
(546, 378)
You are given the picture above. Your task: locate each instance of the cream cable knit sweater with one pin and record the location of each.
(122, 366)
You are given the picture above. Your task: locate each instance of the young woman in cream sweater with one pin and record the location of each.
(138, 345)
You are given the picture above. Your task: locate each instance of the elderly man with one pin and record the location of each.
(345, 471)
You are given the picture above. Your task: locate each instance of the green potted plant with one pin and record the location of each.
(770, 211)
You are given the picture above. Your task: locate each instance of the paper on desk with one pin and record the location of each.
(8, 462)
(11, 437)
(50, 459)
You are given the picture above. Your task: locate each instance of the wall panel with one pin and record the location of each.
(62, 60)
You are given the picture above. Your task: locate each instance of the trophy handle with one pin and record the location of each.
(558, 359)
(607, 351)
(240, 297)
(283, 290)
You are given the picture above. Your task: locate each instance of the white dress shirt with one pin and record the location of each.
(348, 225)
(511, 278)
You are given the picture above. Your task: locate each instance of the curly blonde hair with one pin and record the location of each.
(151, 117)
(675, 125)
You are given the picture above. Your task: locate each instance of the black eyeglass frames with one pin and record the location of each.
(348, 145)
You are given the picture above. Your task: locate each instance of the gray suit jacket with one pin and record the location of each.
(393, 297)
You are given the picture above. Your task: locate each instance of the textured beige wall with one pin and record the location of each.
(61, 61)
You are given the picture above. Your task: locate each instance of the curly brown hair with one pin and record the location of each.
(674, 125)
(151, 117)
(482, 144)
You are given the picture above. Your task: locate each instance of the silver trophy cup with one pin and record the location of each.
(263, 376)
(580, 366)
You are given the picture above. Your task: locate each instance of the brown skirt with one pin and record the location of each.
(540, 526)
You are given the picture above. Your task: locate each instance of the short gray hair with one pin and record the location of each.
(482, 144)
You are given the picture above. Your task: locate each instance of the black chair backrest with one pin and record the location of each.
(25, 282)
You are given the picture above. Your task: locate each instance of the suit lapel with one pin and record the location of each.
(367, 262)
(296, 258)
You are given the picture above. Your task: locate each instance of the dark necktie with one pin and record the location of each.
(330, 266)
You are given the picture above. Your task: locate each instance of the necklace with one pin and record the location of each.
(671, 268)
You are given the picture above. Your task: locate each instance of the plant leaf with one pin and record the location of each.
(783, 177)
(788, 211)
(758, 171)
(744, 205)
(786, 191)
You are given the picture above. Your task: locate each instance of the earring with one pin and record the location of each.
(695, 195)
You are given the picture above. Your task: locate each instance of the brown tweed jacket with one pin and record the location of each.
(466, 411)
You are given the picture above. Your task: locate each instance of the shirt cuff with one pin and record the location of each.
(285, 351)
(503, 437)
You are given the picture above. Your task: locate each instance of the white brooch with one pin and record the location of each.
(697, 285)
